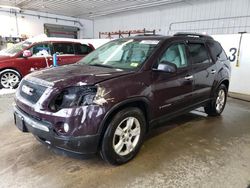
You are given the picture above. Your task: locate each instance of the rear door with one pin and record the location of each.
(204, 71)
(173, 91)
(65, 51)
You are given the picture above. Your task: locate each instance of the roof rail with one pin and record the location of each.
(147, 35)
(197, 35)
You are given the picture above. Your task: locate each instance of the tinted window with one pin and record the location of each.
(64, 48)
(176, 54)
(217, 51)
(199, 53)
(42, 49)
(82, 49)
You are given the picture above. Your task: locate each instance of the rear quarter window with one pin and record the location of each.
(82, 49)
(217, 51)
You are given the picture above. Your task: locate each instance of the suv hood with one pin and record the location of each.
(72, 75)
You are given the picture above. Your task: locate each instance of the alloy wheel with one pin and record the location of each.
(9, 80)
(220, 101)
(126, 136)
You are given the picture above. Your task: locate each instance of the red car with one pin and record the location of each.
(30, 55)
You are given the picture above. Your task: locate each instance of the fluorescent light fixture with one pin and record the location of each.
(135, 7)
(10, 7)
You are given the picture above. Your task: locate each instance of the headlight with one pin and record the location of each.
(73, 97)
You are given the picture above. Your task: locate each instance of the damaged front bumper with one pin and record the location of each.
(44, 132)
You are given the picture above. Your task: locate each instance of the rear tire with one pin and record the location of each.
(216, 106)
(124, 136)
(9, 79)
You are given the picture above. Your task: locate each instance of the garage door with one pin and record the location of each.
(61, 31)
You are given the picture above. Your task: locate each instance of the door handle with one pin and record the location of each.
(189, 77)
(213, 71)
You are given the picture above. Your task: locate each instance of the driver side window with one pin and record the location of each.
(41, 50)
(175, 54)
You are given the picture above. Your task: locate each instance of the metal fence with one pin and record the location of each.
(224, 25)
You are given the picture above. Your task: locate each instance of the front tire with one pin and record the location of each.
(124, 136)
(216, 106)
(9, 79)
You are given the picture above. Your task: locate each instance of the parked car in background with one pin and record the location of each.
(35, 54)
(108, 101)
(95, 42)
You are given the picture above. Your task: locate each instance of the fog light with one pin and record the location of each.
(62, 127)
(66, 127)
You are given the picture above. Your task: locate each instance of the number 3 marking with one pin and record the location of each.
(232, 56)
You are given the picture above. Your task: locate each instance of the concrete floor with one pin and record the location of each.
(193, 151)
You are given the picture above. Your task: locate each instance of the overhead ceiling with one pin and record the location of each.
(86, 8)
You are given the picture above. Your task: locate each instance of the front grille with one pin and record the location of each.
(36, 91)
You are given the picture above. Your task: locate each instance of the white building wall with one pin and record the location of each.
(160, 18)
(240, 77)
(33, 26)
(200, 16)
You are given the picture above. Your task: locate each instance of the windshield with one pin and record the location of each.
(121, 54)
(16, 48)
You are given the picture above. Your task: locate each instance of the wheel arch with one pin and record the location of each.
(12, 70)
(139, 102)
(225, 81)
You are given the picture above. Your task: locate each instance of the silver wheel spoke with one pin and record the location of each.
(119, 131)
(129, 123)
(119, 146)
(135, 131)
(129, 146)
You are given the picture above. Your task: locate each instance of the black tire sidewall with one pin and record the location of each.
(107, 151)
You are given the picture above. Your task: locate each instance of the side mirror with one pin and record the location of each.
(27, 53)
(167, 67)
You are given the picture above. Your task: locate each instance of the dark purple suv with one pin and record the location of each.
(108, 101)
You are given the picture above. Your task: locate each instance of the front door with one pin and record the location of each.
(173, 91)
(41, 57)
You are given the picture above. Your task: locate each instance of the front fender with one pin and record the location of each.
(129, 102)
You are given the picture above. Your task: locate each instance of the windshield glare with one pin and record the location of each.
(121, 54)
(16, 48)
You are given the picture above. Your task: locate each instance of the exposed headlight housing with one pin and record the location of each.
(73, 97)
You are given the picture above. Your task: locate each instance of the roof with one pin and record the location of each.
(44, 38)
(195, 35)
(149, 37)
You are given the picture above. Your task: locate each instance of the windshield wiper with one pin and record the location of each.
(102, 65)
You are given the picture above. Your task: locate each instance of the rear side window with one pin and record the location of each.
(82, 49)
(199, 53)
(217, 51)
(64, 48)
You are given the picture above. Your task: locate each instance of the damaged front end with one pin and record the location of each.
(67, 118)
